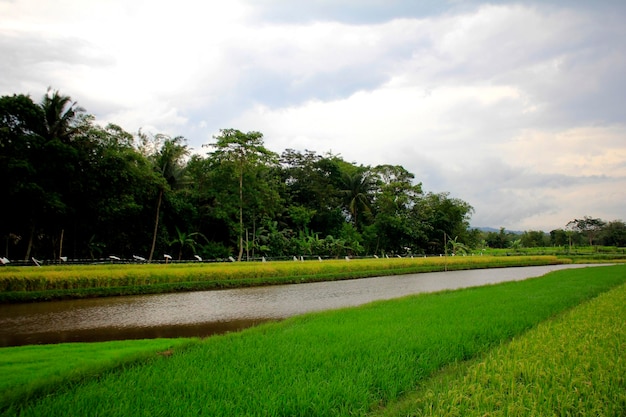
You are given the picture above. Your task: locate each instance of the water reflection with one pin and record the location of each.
(210, 312)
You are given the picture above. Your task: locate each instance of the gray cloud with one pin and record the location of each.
(504, 196)
(516, 108)
(30, 58)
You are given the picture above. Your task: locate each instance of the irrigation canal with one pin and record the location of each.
(205, 313)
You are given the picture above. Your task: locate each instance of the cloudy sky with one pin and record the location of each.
(518, 108)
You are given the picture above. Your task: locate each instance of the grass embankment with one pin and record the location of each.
(343, 362)
(18, 284)
(35, 370)
(574, 365)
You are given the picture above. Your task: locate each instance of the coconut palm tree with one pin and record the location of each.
(169, 165)
(60, 115)
(54, 166)
(356, 193)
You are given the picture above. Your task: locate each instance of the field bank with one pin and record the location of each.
(20, 284)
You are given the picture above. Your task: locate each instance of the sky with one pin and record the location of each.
(517, 108)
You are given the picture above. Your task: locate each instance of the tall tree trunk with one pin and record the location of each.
(30, 240)
(253, 235)
(445, 250)
(156, 224)
(247, 246)
(240, 215)
(61, 244)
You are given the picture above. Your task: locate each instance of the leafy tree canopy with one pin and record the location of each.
(83, 190)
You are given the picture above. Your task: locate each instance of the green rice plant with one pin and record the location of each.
(32, 371)
(19, 284)
(577, 254)
(574, 365)
(335, 363)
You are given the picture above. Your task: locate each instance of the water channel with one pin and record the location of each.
(205, 313)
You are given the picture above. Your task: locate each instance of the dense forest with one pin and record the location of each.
(72, 188)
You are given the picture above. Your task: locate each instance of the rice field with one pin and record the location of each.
(36, 370)
(574, 365)
(19, 284)
(362, 360)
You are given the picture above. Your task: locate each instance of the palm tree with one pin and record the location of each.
(168, 163)
(185, 239)
(356, 193)
(60, 115)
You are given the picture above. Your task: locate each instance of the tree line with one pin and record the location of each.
(588, 231)
(73, 188)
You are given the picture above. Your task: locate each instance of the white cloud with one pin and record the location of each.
(368, 123)
(131, 54)
(578, 151)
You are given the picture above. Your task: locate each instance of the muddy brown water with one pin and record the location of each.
(206, 313)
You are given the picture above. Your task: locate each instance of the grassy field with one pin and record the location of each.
(355, 361)
(576, 254)
(36, 370)
(19, 284)
(574, 365)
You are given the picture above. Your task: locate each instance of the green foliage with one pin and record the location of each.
(246, 156)
(352, 361)
(183, 239)
(588, 226)
(214, 250)
(395, 229)
(572, 365)
(167, 161)
(498, 240)
(75, 179)
(442, 216)
(456, 247)
(356, 193)
(613, 234)
(70, 179)
(533, 239)
(36, 370)
(312, 181)
(60, 115)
